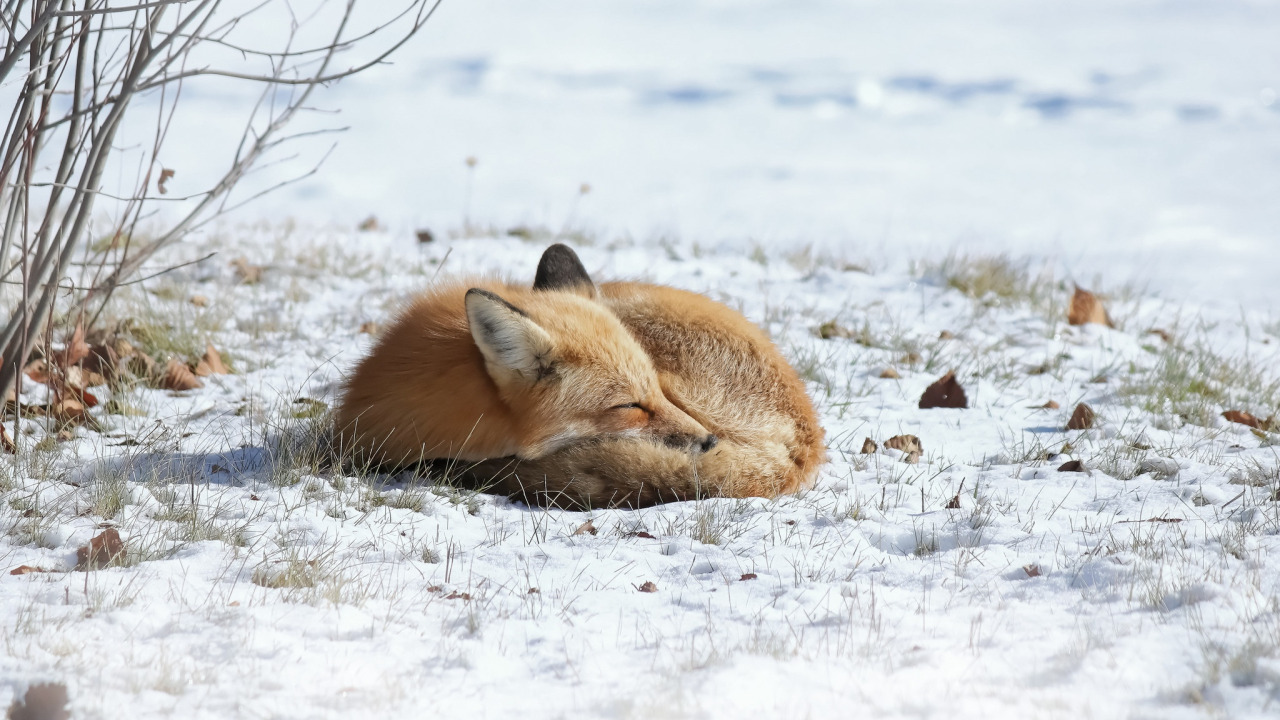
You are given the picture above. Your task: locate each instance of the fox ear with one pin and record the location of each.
(510, 340)
(560, 269)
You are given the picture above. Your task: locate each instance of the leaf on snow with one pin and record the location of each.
(101, 550)
(945, 393)
(1087, 308)
(1082, 418)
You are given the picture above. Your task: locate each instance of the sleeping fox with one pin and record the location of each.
(713, 365)
(482, 369)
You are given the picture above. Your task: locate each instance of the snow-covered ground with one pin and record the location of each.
(981, 582)
(809, 163)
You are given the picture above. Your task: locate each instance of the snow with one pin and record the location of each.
(755, 152)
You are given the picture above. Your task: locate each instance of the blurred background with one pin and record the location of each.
(1135, 140)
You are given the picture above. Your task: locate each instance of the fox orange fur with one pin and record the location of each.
(481, 369)
(713, 364)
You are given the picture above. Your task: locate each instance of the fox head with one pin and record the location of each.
(568, 370)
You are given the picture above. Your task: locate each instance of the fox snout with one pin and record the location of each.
(693, 443)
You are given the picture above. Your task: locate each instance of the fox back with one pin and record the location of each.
(482, 368)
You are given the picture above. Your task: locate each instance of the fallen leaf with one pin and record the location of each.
(748, 576)
(369, 224)
(1071, 466)
(455, 595)
(44, 701)
(912, 358)
(1099, 379)
(6, 442)
(1243, 418)
(213, 359)
(648, 587)
(37, 371)
(101, 550)
(1087, 308)
(425, 236)
(76, 350)
(178, 376)
(945, 393)
(946, 335)
(585, 528)
(1081, 418)
(642, 534)
(832, 329)
(1051, 405)
(234, 603)
(165, 174)
(1031, 570)
(249, 274)
(869, 446)
(24, 569)
(533, 591)
(905, 443)
(199, 301)
(1163, 334)
(890, 374)
(953, 503)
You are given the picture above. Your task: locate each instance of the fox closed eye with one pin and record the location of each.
(630, 406)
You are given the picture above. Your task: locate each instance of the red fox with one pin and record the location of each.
(482, 369)
(714, 365)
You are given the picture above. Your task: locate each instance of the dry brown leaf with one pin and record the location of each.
(1243, 418)
(890, 374)
(101, 550)
(869, 446)
(455, 595)
(75, 351)
(1163, 334)
(248, 274)
(213, 359)
(945, 393)
(946, 335)
(585, 528)
(1087, 308)
(199, 301)
(905, 443)
(1051, 405)
(178, 376)
(954, 502)
(648, 587)
(912, 358)
(1031, 570)
(38, 371)
(369, 224)
(424, 236)
(832, 329)
(43, 701)
(6, 443)
(748, 576)
(25, 569)
(1082, 418)
(1071, 466)
(165, 174)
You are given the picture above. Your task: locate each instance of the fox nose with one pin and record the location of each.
(707, 443)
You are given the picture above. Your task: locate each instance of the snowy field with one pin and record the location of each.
(851, 169)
